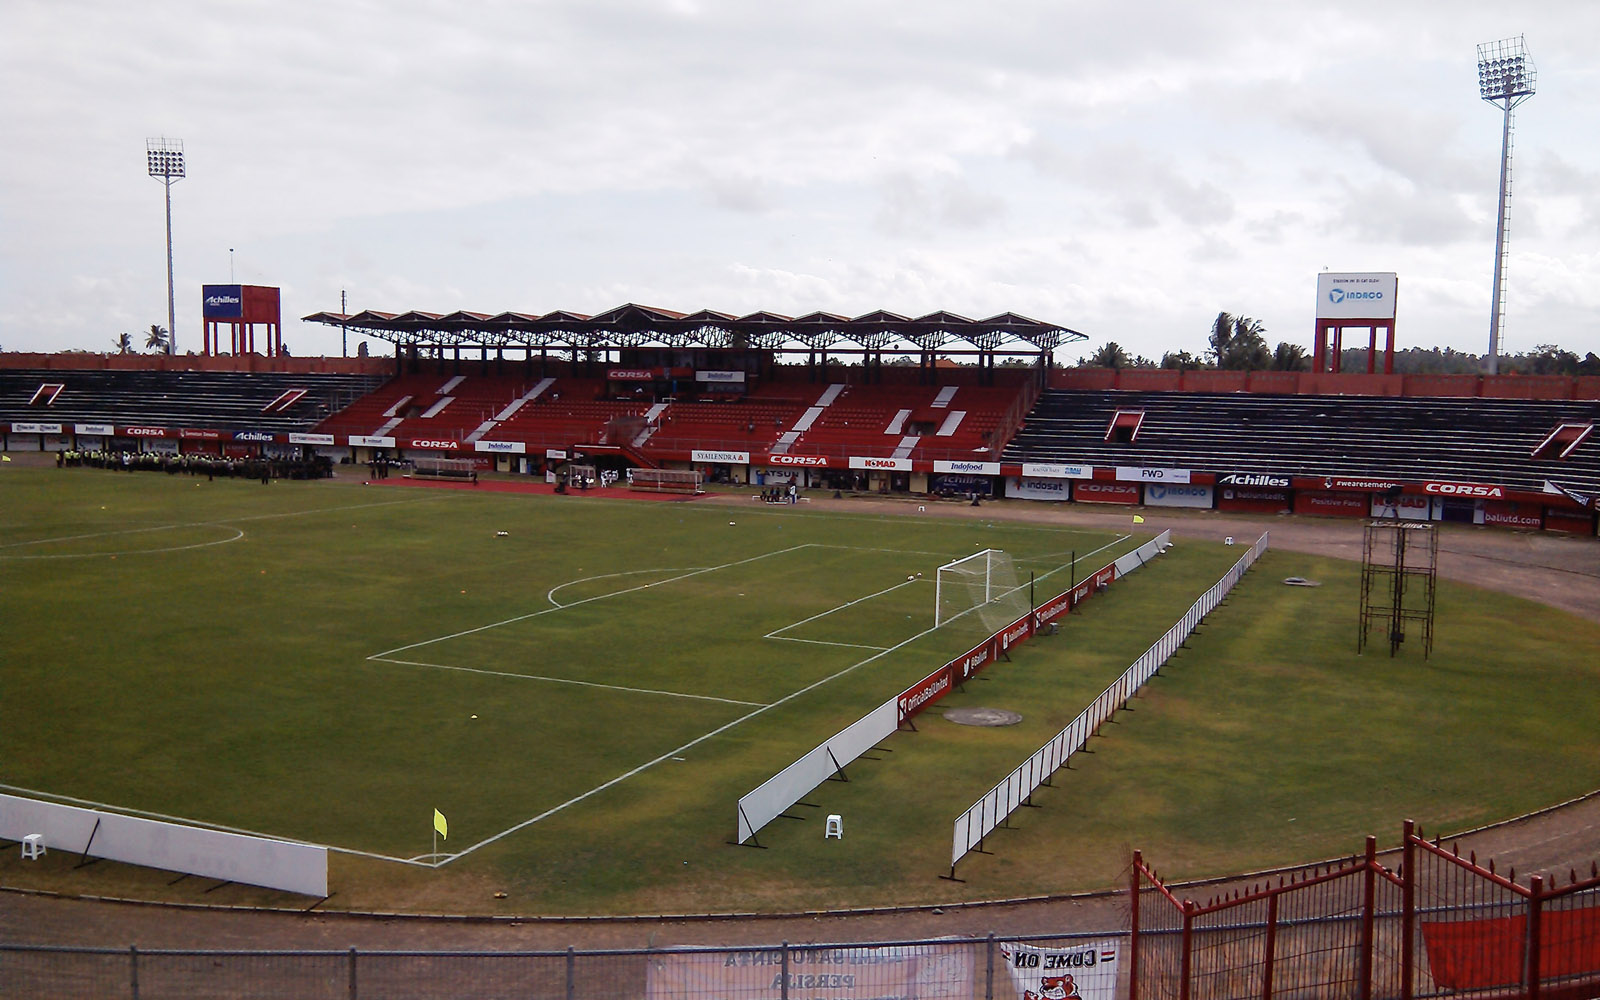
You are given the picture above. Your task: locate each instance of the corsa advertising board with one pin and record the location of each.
(1089, 491)
(1177, 495)
(1356, 295)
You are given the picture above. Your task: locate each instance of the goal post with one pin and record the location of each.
(985, 582)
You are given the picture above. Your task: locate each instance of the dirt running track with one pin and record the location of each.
(1557, 570)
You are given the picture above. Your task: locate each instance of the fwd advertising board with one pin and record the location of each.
(1356, 295)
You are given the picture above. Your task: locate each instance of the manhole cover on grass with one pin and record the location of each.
(983, 716)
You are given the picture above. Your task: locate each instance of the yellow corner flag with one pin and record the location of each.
(1137, 519)
(440, 826)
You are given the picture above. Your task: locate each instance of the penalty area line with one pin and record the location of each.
(687, 746)
(567, 680)
(587, 600)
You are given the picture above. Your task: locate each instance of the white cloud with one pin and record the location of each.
(1124, 169)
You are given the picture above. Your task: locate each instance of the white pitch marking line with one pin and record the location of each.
(822, 642)
(821, 614)
(568, 680)
(199, 823)
(551, 596)
(238, 533)
(586, 600)
(692, 743)
(220, 523)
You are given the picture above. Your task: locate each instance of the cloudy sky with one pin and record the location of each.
(1126, 169)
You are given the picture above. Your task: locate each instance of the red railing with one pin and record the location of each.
(1439, 923)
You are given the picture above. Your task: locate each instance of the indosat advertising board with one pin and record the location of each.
(1363, 295)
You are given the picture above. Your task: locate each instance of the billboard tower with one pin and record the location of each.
(1506, 78)
(164, 160)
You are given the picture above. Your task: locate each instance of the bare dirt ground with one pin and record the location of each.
(1557, 570)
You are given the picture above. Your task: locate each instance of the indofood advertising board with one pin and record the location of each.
(1360, 295)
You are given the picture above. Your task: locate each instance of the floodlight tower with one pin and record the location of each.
(1506, 78)
(164, 157)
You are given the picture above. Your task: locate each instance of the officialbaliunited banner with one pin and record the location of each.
(916, 972)
(1084, 970)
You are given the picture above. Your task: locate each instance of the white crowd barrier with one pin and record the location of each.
(999, 802)
(768, 801)
(174, 847)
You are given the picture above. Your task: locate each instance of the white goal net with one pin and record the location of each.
(984, 582)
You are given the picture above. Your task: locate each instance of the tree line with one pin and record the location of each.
(1239, 343)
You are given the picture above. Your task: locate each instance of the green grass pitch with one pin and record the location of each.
(306, 660)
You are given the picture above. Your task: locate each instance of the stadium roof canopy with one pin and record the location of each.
(631, 325)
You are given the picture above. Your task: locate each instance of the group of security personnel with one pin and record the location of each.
(198, 464)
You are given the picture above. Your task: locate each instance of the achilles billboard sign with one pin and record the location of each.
(1253, 479)
(223, 301)
(260, 437)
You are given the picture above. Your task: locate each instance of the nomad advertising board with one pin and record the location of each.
(1362, 295)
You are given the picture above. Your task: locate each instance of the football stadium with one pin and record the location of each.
(692, 654)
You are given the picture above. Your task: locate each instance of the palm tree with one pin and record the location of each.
(124, 343)
(1237, 343)
(1289, 358)
(1110, 355)
(156, 339)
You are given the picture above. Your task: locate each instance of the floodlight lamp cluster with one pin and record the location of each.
(164, 157)
(1505, 70)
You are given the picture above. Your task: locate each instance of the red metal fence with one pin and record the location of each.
(1437, 924)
